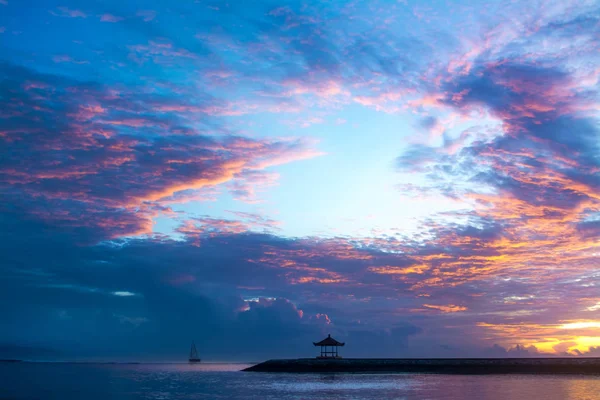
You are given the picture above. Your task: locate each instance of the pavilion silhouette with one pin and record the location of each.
(332, 344)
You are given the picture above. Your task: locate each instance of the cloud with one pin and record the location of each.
(70, 13)
(536, 176)
(593, 351)
(249, 183)
(93, 162)
(67, 59)
(159, 52)
(589, 228)
(221, 283)
(505, 113)
(110, 18)
(146, 15)
(450, 308)
(161, 317)
(517, 351)
(222, 271)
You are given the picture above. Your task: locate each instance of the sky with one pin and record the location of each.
(415, 178)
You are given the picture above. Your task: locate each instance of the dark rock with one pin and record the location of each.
(586, 366)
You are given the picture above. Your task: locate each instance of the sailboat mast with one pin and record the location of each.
(194, 353)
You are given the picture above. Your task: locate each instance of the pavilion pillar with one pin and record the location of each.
(329, 347)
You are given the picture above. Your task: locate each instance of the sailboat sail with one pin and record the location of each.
(194, 354)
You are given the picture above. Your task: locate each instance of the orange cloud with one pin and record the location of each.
(450, 308)
(391, 270)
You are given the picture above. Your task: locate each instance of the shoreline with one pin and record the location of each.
(466, 366)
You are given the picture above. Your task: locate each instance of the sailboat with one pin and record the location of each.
(194, 354)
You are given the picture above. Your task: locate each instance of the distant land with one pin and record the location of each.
(71, 362)
(473, 366)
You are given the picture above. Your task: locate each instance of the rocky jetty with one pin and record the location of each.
(585, 366)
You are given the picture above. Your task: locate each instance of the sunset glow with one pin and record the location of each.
(424, 176)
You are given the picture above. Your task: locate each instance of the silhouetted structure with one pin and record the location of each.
(469, 366)
(194, 354)
(329, 342)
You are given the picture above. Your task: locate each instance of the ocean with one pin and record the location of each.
(65, 381)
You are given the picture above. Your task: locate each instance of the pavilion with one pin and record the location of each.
(329, 342)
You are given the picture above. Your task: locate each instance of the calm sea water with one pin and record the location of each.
(225, 381)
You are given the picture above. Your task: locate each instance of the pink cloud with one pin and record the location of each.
(230, 108)
(68, 59)
(132, 122)
(28, 85)
(280, 303)
(448, 308)
(379, 101)
(161, 167)
(323, 318)
(159, 52)
(110, 18)
(67, 12)
(181, 279)
(214, 226)
(249, 183)
(325, 88)
(428, 100)
(87, 112)
(256, 220)
(211, 226)
(305, 122)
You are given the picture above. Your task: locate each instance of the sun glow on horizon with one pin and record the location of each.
(581, 325)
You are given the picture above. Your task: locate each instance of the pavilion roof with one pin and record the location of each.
(328, 341)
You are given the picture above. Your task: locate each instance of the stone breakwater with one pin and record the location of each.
(573, 366)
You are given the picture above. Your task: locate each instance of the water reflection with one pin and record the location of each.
(183, 367)
(213, 381)
(511, 387)
(583, 389)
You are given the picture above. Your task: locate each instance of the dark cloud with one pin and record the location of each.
(154, 296)
(589, 229)
(266, 298)
(517, 351)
